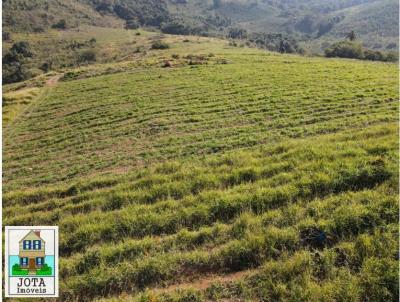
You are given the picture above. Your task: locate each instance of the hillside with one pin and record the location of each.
(374, 21)
(374, 24)
(184, 168)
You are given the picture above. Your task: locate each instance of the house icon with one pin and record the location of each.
(32, 252)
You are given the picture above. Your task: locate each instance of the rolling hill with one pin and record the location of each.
(185, 168)
(309, 21)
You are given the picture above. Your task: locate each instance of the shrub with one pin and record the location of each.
(392, 57)
(87, 56)
(345, 49)
(61, 24)
(159, 45)
(373, 55)
(46, 66)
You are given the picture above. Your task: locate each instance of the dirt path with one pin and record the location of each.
(45, 91)
(205, 282)
(53, 80)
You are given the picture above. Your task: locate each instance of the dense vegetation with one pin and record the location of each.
(354, 50)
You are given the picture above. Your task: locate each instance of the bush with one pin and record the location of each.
(373, 55)
(392, 57)
(345, 49)
(159, 45)
(87, 56)
(46, 66)
(61, 24)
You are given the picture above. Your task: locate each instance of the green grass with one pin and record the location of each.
(279, 166)
(244, 210)
(116, 122)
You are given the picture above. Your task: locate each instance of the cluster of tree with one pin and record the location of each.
(351, 49)
(181, 27)
(276, 42)
(272, 42)
(135, 12)
(14, 63)
(237, 33)
(311, 24)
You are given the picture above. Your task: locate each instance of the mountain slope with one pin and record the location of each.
(39, 15)
(375, 21)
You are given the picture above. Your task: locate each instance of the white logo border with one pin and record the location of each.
(6, 256)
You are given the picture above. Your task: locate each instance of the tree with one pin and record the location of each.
(237, 33)
(14, 60)
(351, 36)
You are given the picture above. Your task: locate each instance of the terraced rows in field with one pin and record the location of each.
(114, 123)
(256, 209)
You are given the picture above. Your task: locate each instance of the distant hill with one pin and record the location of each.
(319, 21)
(374, 21)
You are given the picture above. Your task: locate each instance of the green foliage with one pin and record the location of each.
(61, 24)
(353, 50)
(87, 56)
(237, 33)
(14, 63)
(160, 45)
(345, 49)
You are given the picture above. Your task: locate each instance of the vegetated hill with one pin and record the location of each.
(230, 171)
(218, 107)
(373, 24)
(22, 15)
(375, 21)
(39, 15)
(307, 20)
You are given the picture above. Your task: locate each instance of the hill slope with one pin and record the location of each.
(375, 21)
(128, 119)
(229, 172)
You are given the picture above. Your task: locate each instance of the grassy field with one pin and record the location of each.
(232, 175)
